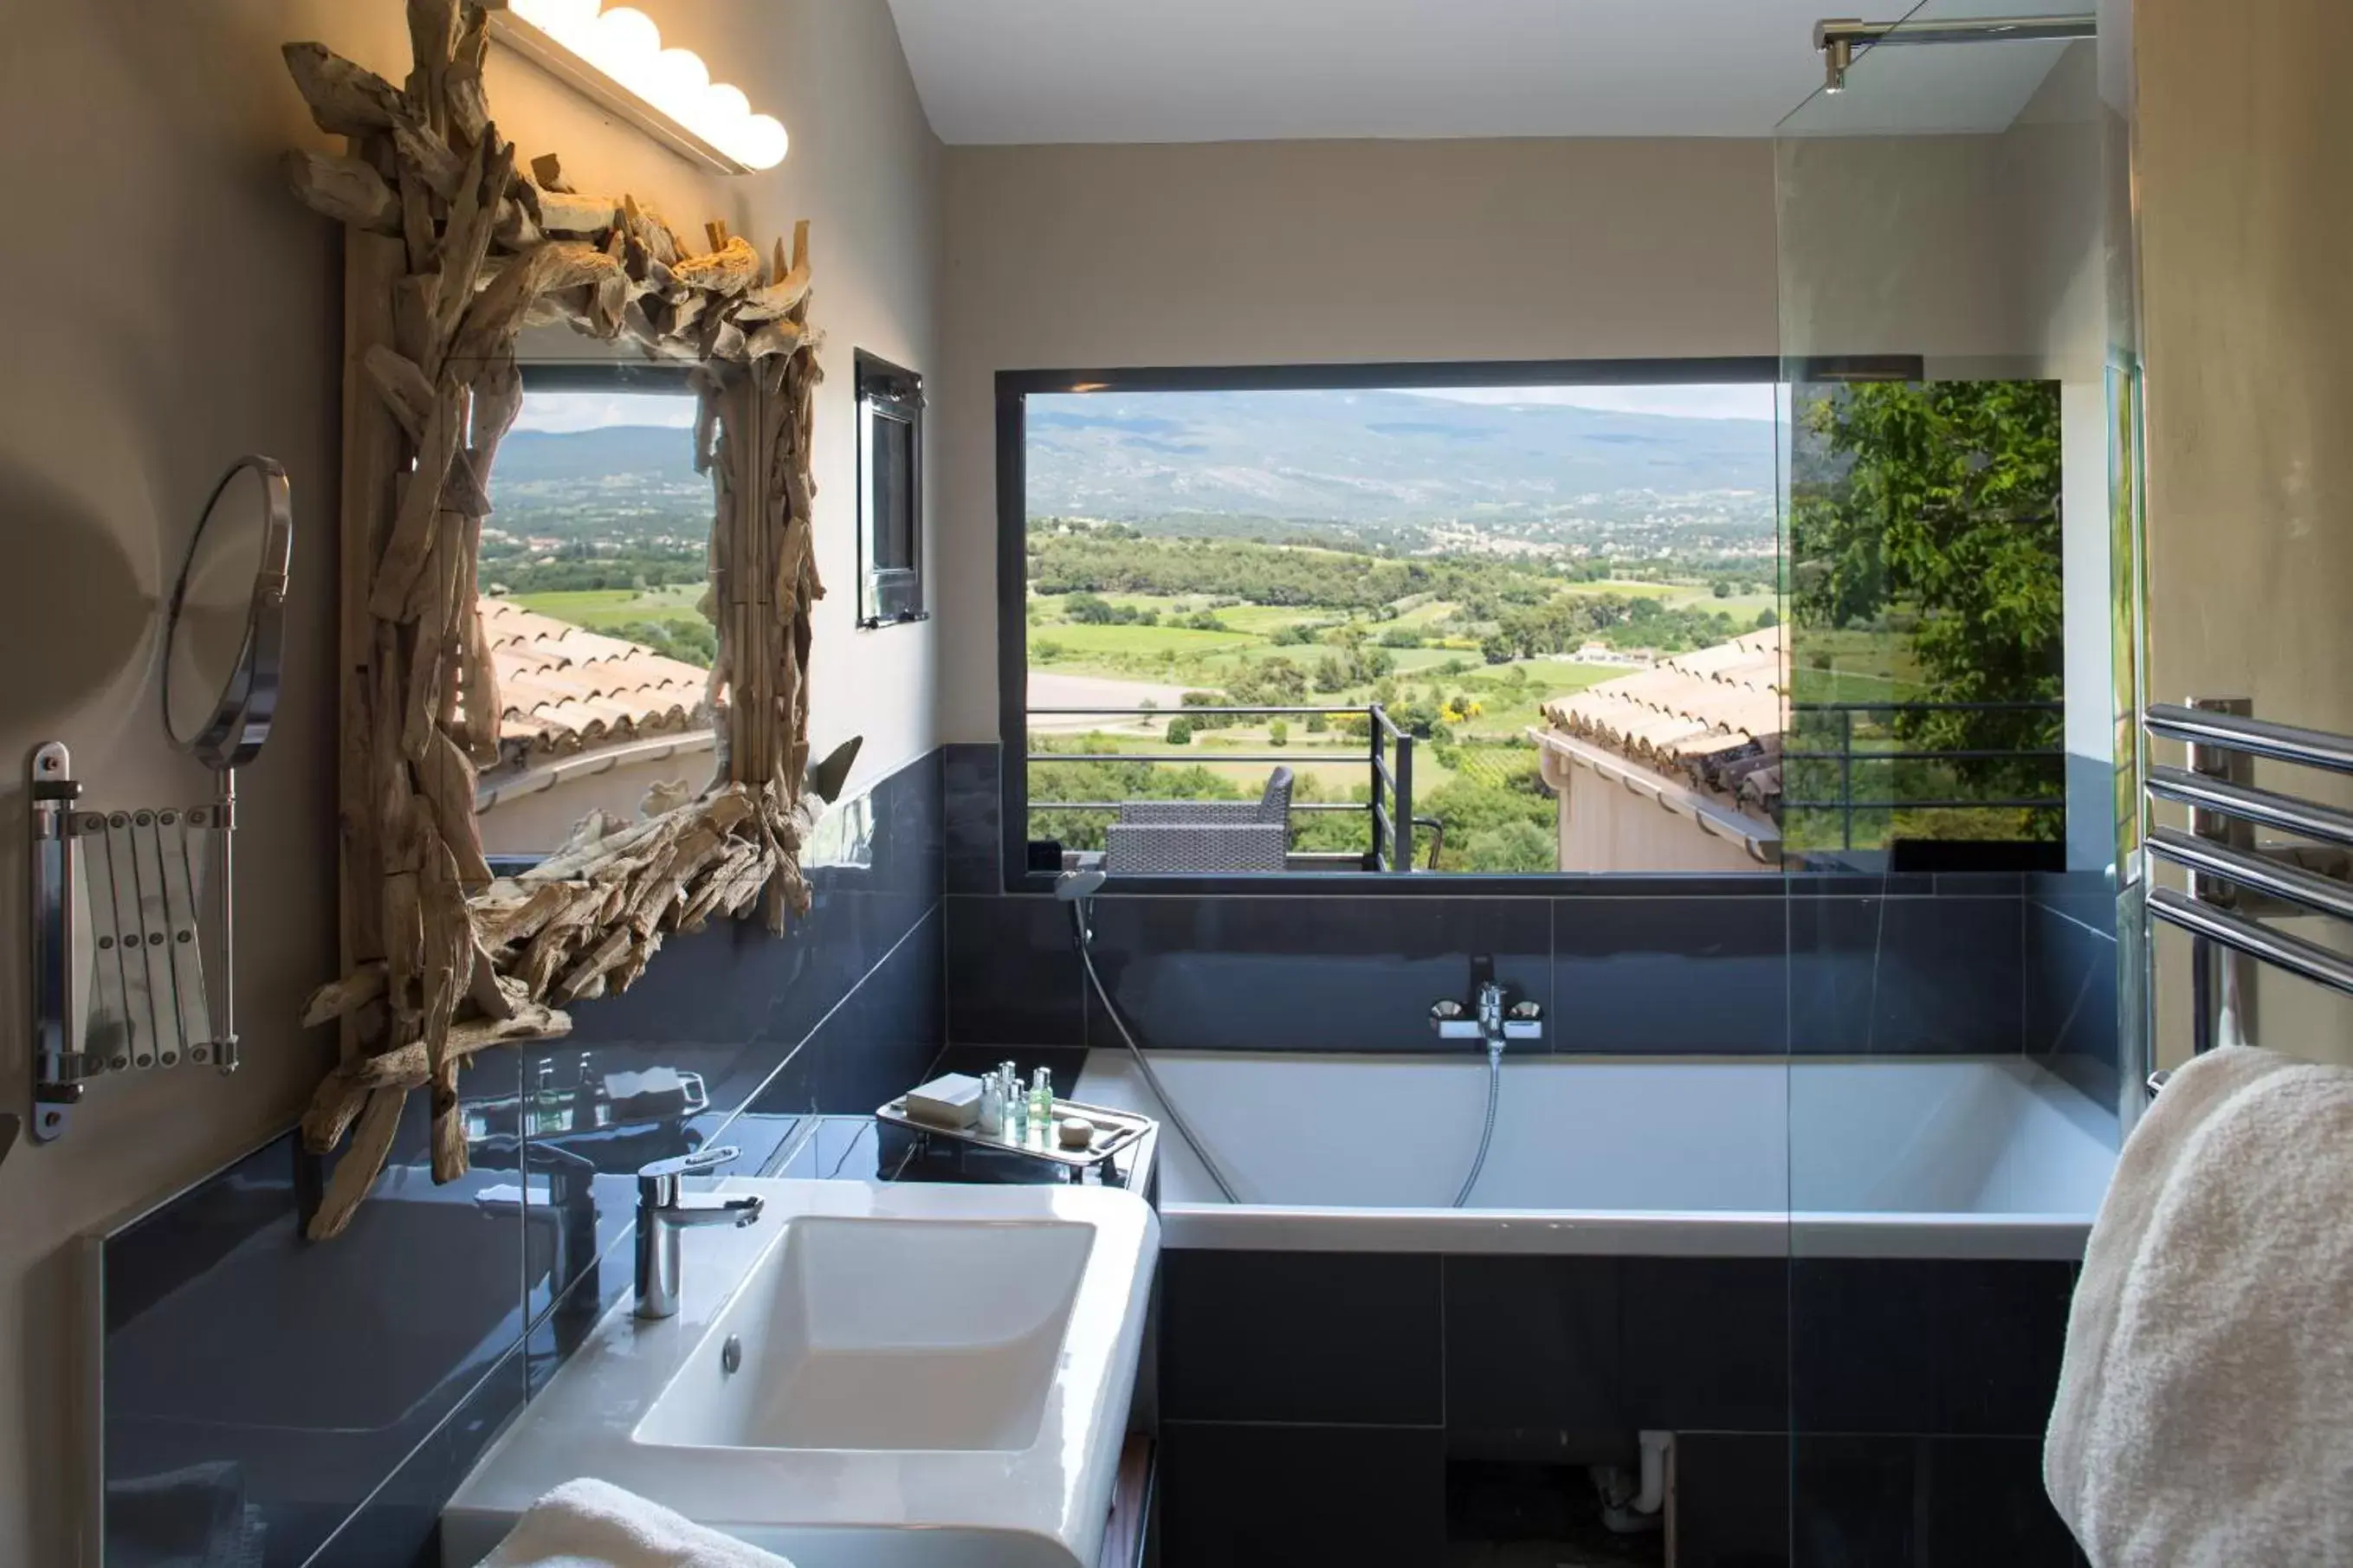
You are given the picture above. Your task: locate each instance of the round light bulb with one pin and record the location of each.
(723, 106)
(626, 43)
(566, 19)
(761, 142)
(678, 80)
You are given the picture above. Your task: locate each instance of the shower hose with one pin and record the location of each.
(1177, 1118)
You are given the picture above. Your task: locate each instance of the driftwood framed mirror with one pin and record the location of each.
(452, 251)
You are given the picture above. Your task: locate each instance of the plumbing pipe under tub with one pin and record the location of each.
(1630, 1516)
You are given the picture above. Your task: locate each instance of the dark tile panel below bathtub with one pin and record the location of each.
(1859, 1501)
(1239, 1496)
(1670, 975)
(1307, 974)
(1948, 1346)
(1324, 1337)
(1893, 976)
(1732, 1500)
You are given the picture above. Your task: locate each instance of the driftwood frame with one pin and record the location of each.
(450, 250)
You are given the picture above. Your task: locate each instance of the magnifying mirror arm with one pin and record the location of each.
(224, 1052)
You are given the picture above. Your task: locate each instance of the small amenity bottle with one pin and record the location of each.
(1042, 1099)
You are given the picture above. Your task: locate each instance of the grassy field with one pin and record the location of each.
(602, 609)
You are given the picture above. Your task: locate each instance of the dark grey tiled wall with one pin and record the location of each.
(1835, 964)
(320, 1402)
(1880, 1413)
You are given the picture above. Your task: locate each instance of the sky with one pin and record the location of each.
(565, 412)
(1750, 401)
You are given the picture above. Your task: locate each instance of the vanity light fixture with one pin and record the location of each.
(615, 56)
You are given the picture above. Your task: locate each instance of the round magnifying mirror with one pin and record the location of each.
(221, 647)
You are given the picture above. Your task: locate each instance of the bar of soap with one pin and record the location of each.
(950, 1101)
(1074, 1131)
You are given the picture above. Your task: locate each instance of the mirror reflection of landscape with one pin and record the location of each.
(594, 572)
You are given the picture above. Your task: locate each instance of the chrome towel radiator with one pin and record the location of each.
(2234, 881)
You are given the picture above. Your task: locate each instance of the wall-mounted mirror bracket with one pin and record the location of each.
(118, 939)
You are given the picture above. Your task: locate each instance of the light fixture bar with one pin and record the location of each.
(615, 59)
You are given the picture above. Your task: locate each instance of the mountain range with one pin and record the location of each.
(1369, 457)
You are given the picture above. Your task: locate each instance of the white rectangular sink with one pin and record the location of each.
(922, 1374)
(848, 1340)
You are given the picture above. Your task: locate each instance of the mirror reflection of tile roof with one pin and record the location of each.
(564, 690)
(1711, 719)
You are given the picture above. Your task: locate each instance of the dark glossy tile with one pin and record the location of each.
(1532, 1355)
(1985, 1504)
(1309, 974)
(883, 1040)
(1725, 962)
(1065, 1062)
(1853, 1504)
(267, 1384)
(1706, 1343)
(1279, 1497)
(1732, 1500)
(1925, 1346)
(1311, 1336)
(1013, 974)
(399, 1527)
(1906, 975)
(2071, 988)
(972, 807)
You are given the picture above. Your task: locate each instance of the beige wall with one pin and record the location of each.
(1290, 253)
(2246, 219)
(171, 307)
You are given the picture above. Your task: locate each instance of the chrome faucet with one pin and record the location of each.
(1491, 1018)
(663, 1211)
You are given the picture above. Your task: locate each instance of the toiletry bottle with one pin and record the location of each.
(546, 1112)
(1017, 1106)
(992, 1105)
(1041, 1100)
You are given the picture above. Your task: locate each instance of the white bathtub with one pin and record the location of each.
(1986, 1157)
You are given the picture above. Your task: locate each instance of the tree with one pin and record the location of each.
(1318, 724)
(1947, 515)
(1180, 732)
(1278, 733)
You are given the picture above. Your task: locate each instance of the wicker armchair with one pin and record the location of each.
(1162, 835)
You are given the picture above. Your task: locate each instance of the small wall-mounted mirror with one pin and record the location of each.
(221, 647)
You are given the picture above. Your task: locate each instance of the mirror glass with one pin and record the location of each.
(220, 666)
(593, 572)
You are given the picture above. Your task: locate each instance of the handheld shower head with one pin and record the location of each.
(1073, 886)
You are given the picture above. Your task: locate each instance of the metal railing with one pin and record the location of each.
(1846, 756)
(1389, 754)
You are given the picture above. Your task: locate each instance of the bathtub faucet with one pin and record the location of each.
(1491, 1018)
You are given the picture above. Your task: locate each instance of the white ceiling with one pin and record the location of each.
(1227, 71)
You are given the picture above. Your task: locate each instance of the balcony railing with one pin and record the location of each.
(1388, 757)
(1846, 755)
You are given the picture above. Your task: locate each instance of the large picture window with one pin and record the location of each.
(1522, 619)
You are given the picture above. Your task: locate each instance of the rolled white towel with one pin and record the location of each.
(2205, 1409)
(594, 1524)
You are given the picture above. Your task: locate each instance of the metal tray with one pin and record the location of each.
(1116, 1132)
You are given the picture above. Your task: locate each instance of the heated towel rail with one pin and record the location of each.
(2234, 881)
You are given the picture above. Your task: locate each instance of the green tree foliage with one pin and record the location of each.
(1937, 519)
(1278, 733)
(1180, 732)
(692, 641)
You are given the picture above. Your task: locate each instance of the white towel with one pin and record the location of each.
(2205, 1410)
(593, 1524)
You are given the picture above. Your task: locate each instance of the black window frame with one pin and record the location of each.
(887, 391)
(1014, 387)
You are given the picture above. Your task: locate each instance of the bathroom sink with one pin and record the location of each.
(850, 1337)
(873, 1373)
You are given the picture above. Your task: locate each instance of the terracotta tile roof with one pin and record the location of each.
(565, 691)
(1711, 719)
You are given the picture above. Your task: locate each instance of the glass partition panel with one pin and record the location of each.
(1950, 808)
